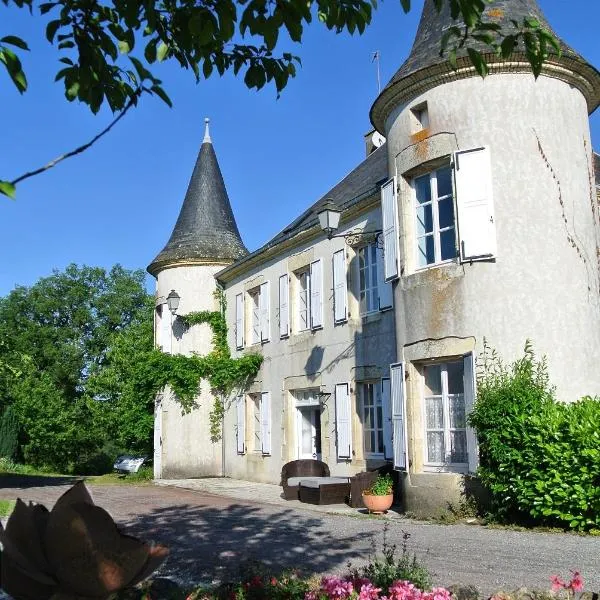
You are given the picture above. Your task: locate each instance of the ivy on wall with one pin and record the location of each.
(184, 373)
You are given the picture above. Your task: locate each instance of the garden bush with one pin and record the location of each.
(9, 434)
(539, 458)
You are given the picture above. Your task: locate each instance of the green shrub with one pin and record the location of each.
(9, 434)
(539, 458)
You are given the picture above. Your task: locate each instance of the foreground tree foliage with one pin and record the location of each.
(107, 50)
(59, 339)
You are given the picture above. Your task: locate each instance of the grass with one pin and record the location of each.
(6, 507)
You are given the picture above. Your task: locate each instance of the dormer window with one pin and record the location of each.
(420, 115)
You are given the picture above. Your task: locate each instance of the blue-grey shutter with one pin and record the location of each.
(391, 238)
(340, 303)
(474, 204)
(316, 294)
(343, 423)
(265, 422)
(398, 415)
(469, 387)
(284, 306)
(384, 288)
(241, 424)
(239, 321)
(386, 401)
(264, 306)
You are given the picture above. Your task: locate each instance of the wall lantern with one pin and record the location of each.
(173, 301)
(329, 217)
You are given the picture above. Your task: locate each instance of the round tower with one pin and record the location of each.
(205, 240)
(497, 213)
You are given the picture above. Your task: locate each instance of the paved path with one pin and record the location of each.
(211, 527)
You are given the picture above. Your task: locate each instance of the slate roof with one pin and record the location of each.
(425, 62)
(361, 183)
(205, 230)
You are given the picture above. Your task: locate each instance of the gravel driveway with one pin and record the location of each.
(208, 534)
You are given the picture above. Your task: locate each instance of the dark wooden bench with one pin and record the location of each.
(297, 469)
(325, 490)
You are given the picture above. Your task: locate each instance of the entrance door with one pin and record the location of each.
(309, 432)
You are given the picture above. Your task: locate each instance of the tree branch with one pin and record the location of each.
(80, 149)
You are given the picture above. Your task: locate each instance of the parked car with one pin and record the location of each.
(128, 463)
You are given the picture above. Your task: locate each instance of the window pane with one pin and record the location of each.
(435, 446)
(458, 447)
(446, 216)
(448, 244)
(426, 251)
(433, 380)
(372, 442)
(424, 219)
(380, 444)
(455, 377)
(444, 182)
(373, 253)
(457, 411)
(379, 417)
(423, 189)
(434, 413)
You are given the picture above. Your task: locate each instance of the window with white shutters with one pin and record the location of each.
(284, 306)
(265, 420)
(316, 294)
(469, 386)
(371, 404)
(475, 206)
(265, 312)
(386, 401)
(391, 238)
(343, 424)
(166, 332)
(384, 289)
(239, 321)
(254, 297)
(241, 424)
(303, 300)
(368, 279)
(340, 294)
(398, 415)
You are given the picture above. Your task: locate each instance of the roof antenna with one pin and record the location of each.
(374, 58)
(206, 133)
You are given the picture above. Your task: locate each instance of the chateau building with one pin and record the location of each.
(475, 215)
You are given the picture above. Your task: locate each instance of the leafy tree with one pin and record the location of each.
(57, 335)
(107, 49)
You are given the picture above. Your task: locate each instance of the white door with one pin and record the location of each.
(309, 432)
(158, 437)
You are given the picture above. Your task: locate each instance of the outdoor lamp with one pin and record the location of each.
(329, 217)
(173, 301)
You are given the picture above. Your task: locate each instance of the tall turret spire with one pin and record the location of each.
(425, 68)
(206, 231)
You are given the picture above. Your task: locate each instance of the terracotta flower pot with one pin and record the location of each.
(377, 504)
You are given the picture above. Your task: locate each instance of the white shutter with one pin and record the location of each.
(166, 333)
(343, 424)
(316, 294)
(340, 309)
(241, 424)
(264, 305)
(469, 387)
(391, 239)
(284, 306)
(388, 448)
(384, 289)
(239, 321)
(474, 202)
(398, 415)
(265, 422)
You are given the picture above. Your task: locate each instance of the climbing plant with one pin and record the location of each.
(183, 373)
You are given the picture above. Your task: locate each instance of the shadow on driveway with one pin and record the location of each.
(16, 480)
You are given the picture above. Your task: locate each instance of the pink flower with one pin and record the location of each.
(557, 583)
(336, 588)
(576, 583)
(404, 590)
(368, 592)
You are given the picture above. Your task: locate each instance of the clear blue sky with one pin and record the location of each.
(118, 202)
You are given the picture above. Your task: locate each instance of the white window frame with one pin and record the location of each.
(446, 465)
(369, 252)
(260, 317)
(302, 325)
(436, 233)
(378, 424)
(256, 421)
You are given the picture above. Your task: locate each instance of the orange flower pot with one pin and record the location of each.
(377, 504)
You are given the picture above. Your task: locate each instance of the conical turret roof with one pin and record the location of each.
(205, 231)
(425, 68)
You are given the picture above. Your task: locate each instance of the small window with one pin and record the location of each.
(445, 414)
(303, 300)
(368, 279)
(255, 318)
(435, 219)
(256, 423)
(371, 409)
(421, 117)
(259, 314)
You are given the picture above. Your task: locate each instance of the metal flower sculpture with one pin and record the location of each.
(73, 552)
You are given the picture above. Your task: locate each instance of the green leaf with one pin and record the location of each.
(405, 5)
(52, 28)
(13, 40)
(8, 189)
(124, 47)
(161, 51)
(478, 62)
(46, 7)
(162, 95)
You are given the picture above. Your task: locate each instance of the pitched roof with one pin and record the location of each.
(361, 183)
(205, 230)
(425, 68)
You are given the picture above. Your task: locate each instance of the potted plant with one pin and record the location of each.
(379, 497)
